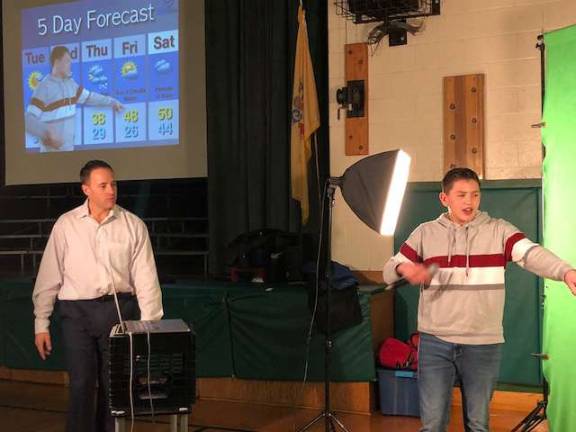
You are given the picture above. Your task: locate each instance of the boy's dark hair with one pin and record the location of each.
(57, 53)
(91, 166)
(458, 174)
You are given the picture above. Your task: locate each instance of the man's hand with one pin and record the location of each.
(416, 274)
(43, 344)
(117, 106)
(570, 280)
(52, 139)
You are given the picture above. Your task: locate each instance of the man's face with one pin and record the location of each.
(62, 66)
(462, 201)
(101, 189)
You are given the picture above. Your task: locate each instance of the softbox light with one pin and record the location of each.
(374, 187)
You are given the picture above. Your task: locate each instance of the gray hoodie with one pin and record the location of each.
(53, 104)
(465, 300)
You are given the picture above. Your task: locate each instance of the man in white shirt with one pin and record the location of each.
(93, 251)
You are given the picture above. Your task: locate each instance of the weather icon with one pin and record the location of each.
(162, 66)
(96, 76)
(129, 70)
(34, 79)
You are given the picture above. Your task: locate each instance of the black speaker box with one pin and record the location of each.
(152, 363)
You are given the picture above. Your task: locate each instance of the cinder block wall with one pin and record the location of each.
(494, 37)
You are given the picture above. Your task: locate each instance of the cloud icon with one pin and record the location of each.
(96, 76)
(162, 66)
(96, 70)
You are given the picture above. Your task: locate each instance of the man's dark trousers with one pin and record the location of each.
(86, 326)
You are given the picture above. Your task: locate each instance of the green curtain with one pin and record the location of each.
(559, 136)
(269, 327)
(250, 47)
(17, 348)
(249, 331)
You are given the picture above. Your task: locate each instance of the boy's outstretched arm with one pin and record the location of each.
(540, 261)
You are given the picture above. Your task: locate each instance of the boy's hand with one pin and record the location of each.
(117, 106)
(52, 139)
(416, 274)
(570, 280)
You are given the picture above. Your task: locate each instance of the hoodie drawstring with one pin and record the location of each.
(451, 239)
(467, 252)
(453, 232)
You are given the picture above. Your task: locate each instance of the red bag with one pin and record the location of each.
(395, 354)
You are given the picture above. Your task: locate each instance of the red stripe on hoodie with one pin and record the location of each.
(410, 253)
(512, 240)
(493, 260)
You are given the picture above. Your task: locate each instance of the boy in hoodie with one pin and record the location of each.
(51, 114)
(461, 305)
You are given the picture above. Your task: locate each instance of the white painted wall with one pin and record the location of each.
(494, 37)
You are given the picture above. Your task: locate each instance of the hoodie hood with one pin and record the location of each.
(480, 219)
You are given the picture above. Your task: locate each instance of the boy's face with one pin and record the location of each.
(462, 201)
(63, 66)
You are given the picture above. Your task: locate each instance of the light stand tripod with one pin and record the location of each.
(331, 422)
(538, 414)
(373, 188)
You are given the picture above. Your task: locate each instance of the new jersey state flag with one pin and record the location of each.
(305, 117)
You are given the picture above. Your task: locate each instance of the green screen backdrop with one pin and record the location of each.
(559, 138)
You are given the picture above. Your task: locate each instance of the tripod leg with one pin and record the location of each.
(532, 426)
(535, 417)
(313, 422)
(334, 419)
(329, 425)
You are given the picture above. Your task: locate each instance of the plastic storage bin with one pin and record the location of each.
(399, 392)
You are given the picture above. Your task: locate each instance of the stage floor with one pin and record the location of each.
(26, 407)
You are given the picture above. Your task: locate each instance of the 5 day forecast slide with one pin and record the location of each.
(100, 74)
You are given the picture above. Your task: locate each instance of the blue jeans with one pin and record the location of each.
(440, 364)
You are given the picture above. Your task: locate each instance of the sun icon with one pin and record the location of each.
(129, 70)
(34, 79)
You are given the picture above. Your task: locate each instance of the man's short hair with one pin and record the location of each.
(456, 174)
(57, 53)
(91, 166)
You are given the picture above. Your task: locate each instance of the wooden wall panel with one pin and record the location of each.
(464, 122)
(34, 376)
(357, 127)
(356, 397)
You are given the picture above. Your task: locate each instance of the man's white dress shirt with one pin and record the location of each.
(85, 260)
